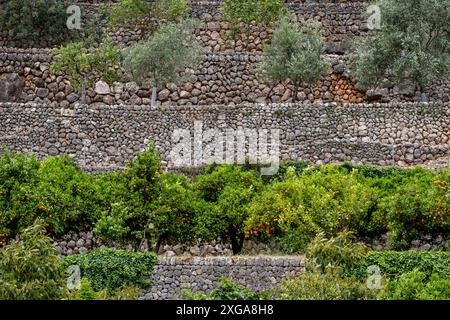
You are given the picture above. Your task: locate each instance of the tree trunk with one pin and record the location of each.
(270, 91)
(295, 98)
(237, 241)
(154, 97)
(423, 95)
(83, 90)
(158, 243)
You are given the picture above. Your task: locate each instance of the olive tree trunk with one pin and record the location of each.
(83, 89)
(154, 91)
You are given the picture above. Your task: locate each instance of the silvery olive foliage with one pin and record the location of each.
(296, 53)
(165, 58)
(412, 44)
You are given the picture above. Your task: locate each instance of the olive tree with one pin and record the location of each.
(166, 57)
(411, 45)
(83, 65)
(296, 53)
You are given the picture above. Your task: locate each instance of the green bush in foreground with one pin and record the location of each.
(393, 264)
(323, 286)
(111, 269)
(416, 285)
(336, 254)
(86, 292)
(30, 268)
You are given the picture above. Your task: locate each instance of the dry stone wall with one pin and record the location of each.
(171, 275)
(102, 137)
(227, 74)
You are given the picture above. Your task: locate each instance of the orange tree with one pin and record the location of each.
(226, 192)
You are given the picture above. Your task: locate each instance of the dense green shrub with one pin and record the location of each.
(171, 215)
(143, 172)
(17, 172)
(28, 20)
(126, 206)
(392, 264)
(227, 289)
(419, 205)
(147, 204)
(30, 268)
(55, 190)
(111, 269)
(228, 202)
(226, 192)
(320, 286)
(337, 254)
(416, 285)
(86, 292)
(239, 13)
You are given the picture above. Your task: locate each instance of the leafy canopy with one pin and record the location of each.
(295, 54)
(28, 20)
(80, 63)
(412, 44)
(238, 12)
(165, 57)
(30, 268)
(145, 14)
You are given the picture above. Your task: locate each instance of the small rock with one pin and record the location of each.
(72, 97)
(102, 87)
(71, 244)
(169, 254)
(426, 246)
(80, 243)
(195, 251)
(164, 94)
(82, 250)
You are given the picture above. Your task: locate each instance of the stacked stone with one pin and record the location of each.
(106, 137)
(171, 275)
(424, 242)
(83, 242)
(73, 243)
(216, 248)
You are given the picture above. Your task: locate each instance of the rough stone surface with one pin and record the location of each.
(103, 137)
(173, 274)
(102, 87)
(11, 86)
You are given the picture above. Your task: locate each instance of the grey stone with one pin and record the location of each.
(102, 87)
(11, 86)
(72, 97)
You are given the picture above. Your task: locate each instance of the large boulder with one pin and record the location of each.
(11, 86)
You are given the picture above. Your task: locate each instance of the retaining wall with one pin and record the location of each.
(171, 275)
(102, 137)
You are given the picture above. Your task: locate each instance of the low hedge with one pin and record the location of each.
(395, 263)
(112, 269)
